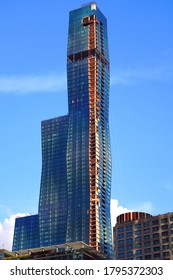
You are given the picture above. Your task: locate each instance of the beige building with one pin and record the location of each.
(141, 236)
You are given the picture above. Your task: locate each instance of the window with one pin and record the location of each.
(148, 243)
(155, 235)
(137, 239)
(155, 222)
(148, 257)
(121, 255)
(147, 230)
(165, 240)
(156, 249)
(138, 258)
(165, 254)
(129, 247)
(130, 240)
(146, 237)
(120, 229)
(165, 247)
(120, 249)
(138, 232)
(121, 235)
(164, 233)
(147, 250)
(146, 224)
(155, 242)
(155, 228)
(138, 252)
(157, 256)
(164, 227)
(129, 254)
(138, 226)
(120, 242)
(128, 227)
(138, 245)
(128, 234)
(164, 220)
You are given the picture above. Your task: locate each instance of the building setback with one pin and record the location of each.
(75, 191)
(141, 236)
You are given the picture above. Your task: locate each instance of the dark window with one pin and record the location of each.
(164, 220)
(156, 249)
(146, 237)
(155, 222)
(164, 227)
(165, 254)
(155, 235)
(157, 256)
(148, 243)
(147, 230)
(165, 240)
(147, 250)
(148, 257)
(165, 247)
(155, 242)
(155, 228)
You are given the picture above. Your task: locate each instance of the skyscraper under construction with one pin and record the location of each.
(75, 191)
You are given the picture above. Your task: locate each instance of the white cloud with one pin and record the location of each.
(7, 230)
(117, 210)
(32, 83)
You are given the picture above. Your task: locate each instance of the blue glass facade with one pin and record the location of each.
(26, 234)
(75, 190)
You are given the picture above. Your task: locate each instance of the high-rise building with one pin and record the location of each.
(75, 192)
(141, 236)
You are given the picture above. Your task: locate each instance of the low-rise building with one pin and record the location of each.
(68, 251)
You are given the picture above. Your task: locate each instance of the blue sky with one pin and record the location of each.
(33, 88)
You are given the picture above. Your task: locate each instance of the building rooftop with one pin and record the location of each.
(52, 252)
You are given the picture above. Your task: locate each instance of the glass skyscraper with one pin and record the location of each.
(75, 191)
